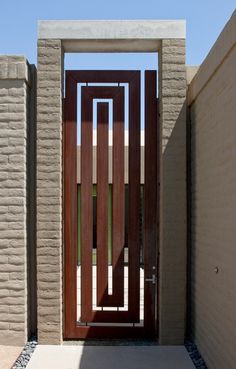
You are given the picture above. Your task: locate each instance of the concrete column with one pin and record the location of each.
(172, 93)
(49, 191)
(14, 98)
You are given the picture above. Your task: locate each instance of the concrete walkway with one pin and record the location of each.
(8, 356)
(110, 357)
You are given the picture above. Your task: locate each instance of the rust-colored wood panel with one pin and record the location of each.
(109, 316)
(102, 201)
(118, 200)
(70, 210)
(117, 297)
(86, 208)
(134, 199)
(72, 329)
(86, 332)
(103, 76)
(150, 201)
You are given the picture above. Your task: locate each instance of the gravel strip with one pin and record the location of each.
(195, 355)
(26, 354)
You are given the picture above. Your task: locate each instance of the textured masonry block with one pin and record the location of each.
(14, 93)
(49, 191)
(14, 68)
(172, 93)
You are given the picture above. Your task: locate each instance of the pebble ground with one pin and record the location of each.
(26, 354)
(195, 355)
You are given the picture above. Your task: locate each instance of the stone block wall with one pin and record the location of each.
(15, 85)
(172, 95)
(49, 191)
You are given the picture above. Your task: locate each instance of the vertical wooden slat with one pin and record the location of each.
(118, 198)
(150, 200)
(134, 199)
(102, 201)
(117, 297)
(70, 205)
(86, 208)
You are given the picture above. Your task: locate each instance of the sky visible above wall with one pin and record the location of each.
(205, 20)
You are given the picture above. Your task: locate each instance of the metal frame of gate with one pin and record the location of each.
(72, 329)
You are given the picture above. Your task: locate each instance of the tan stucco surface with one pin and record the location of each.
(212, 95)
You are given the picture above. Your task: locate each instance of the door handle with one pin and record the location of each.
(152, 280)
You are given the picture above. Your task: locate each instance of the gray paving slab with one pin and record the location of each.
(110, 357)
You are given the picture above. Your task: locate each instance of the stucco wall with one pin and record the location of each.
(15, 84)
(212, 101)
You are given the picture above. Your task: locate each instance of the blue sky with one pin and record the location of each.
(205, 20)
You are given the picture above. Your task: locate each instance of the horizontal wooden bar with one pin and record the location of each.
(85, 332)
(103, 76)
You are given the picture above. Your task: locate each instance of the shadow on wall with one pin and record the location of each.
(31, 203)
(173, 263)
(173, 250)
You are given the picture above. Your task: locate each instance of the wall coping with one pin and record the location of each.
(111, 35)
(224, 43)
(191, 71)
(13, 67)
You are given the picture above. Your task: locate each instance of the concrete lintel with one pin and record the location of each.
(111, 46)
(124, 34)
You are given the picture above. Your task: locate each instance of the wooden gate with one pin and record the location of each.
(108, 291)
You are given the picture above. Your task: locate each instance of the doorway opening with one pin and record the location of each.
(111, 176)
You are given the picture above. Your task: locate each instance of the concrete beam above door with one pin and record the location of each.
(111, 35)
